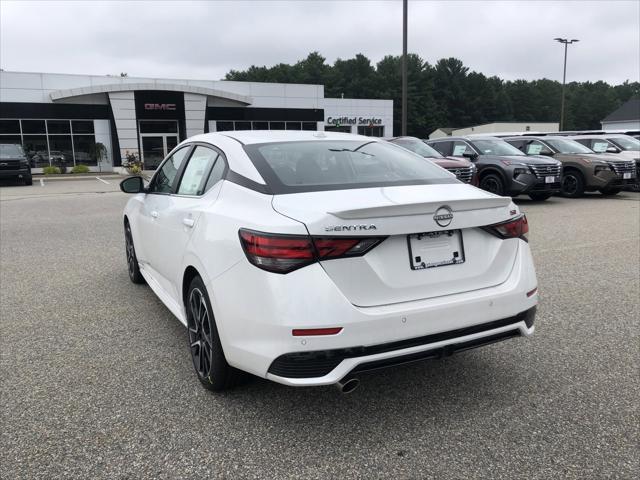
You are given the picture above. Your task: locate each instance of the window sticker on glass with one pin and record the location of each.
(458, 150)
(600, 147)
(534, 149)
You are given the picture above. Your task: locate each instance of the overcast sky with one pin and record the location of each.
(204, 40)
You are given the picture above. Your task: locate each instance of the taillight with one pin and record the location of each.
(515, 228)
(285, 253)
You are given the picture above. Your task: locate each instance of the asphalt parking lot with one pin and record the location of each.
(97, 380)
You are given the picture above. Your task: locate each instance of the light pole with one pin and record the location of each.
(404, 67)
(564, 75)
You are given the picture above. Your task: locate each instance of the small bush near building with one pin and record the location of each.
(80, 169)
(51, 170)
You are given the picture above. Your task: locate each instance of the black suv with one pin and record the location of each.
(14, 163)
(502, 168)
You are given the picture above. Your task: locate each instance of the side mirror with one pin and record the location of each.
(471, 156)
(612, 150)
(132, 185)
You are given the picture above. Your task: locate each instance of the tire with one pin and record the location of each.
(540, 196)
(208, 358)
(492, 183)
(572, 185)
(610, 191)
(28, 180)
(132, 260)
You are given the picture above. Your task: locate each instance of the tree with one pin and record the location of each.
(447, 94)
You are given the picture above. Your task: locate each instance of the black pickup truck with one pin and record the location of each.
(14, 163)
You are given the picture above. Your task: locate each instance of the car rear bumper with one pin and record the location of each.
(256, 332)
(340, 363)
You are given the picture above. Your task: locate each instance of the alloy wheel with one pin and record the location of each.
(569, 184)
(131, 253)
(200, 339)
(492, 185)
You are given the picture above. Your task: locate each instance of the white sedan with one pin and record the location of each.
(308, 257)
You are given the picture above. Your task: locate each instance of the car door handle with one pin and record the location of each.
(189, 222)
(154, 214)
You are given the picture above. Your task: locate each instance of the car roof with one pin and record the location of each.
(593, 136)
(249, 137)
(466, 137)
(536, 137)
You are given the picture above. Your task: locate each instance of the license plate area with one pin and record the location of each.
(626, 175)
(435, 249)
(550, 179)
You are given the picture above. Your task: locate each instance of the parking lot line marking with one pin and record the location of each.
(41, 182)
(103, 181)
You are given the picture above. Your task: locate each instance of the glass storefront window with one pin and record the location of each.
(338, 128)
(224, 126)
(83, 146)
(33, 126)
(58, 126)
(9, 126)
(79, 126)
(375, 131)
(159, 126)
(60, 150)
(35, 148)
(11, 139)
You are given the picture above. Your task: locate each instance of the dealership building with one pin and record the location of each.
(61, 117)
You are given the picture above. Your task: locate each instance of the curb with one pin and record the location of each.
(61, 178)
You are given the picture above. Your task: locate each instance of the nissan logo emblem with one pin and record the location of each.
(443, 216)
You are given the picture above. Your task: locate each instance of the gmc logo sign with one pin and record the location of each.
(159, 106)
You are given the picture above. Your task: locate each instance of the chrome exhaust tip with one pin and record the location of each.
(347, 385)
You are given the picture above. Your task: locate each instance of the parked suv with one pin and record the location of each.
(584, 169)
(624, 146)
(463, 169)
(14, 163)
(503, 169)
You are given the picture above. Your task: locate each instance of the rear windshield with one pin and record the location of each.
(10, 151)
(290, 167)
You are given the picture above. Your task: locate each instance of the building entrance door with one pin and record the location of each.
(157, 139)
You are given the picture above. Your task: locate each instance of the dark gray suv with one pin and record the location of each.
(502, 168)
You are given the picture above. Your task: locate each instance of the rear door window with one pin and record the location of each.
(443, 147)
(461, 148)
(534, 147)
(196, 172)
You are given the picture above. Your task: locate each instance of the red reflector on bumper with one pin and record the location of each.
(305, 332)
(532, 292)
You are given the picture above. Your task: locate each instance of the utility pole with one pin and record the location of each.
(404, 67)
(564, 75)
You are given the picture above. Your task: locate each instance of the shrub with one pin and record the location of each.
(132, 163)
(80, 169)
(51, 170)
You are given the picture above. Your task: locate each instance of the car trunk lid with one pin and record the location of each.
(384, 275)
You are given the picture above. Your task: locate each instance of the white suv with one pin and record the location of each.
(307, 257)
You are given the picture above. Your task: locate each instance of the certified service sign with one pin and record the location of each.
(443, 216)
